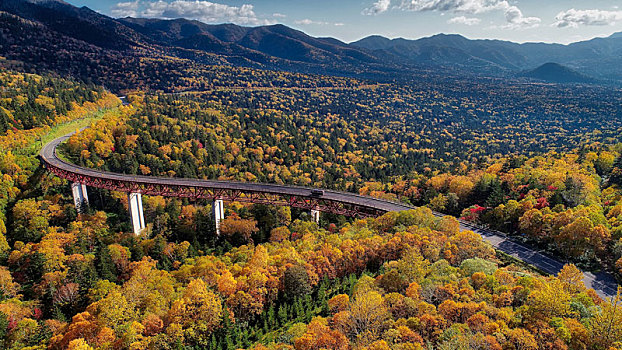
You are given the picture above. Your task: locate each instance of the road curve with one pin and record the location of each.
(372, 205)
(603, 283)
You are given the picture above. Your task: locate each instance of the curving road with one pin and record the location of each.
(602, 282)
(330, 201)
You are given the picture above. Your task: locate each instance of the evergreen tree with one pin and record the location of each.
(496, 195)
(296, 282)
(299, 309)
(104, 264)
(283, 314)
(322, 299)
(616, 173)
(213, 343)
(271, 319)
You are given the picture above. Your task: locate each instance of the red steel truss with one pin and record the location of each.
(201, 192)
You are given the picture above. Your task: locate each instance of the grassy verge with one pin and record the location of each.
(507, 259)
(65, 128)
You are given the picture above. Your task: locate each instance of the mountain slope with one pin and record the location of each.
(275, 40)
(55, 35)
(449, 49)
(79, 23)
(130, 53)
(557, 73)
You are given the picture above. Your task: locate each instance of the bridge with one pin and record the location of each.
(328, 201)
(316, 201)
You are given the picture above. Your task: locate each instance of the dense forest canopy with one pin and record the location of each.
(345, 146)
(564, 200)
(376, 131)
(541, 162)
(28, 101)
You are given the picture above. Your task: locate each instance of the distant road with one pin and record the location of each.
(337, 202)
(603, 283)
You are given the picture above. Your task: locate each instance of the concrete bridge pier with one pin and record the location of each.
(218, 212)
(80, 197)
(315, 215)
(135, 204)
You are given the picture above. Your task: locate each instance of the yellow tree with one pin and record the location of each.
(8, 288)
(113, 311)
(548, 299)
(413, 266)
(79, 344)
(606, 326)
(571, 278)
(199, 312)
(367, 314)
(234, 225)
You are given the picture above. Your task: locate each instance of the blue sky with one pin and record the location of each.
(561, 21)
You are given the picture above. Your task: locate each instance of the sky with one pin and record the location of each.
(560, 21)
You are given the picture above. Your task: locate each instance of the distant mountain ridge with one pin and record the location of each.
(495, 57)
(83, 34)
(275, 40)
(492, 55)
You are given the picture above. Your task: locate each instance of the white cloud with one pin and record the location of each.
(516, 19)
(306, 22)
(573, 18)
(205, 11)
(278, 15)
(469, 21)
(513, 14)
(125, 9)
(378, 7)
(339, 24)
(155, 9)
(465, 6)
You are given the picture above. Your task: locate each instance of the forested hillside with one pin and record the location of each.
(44, 36)
(28, 101)
(358, 132)
(273, 278)
(181, 55)
(35, 47)
(565, 201)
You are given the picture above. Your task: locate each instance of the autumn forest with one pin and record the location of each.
(540, 163)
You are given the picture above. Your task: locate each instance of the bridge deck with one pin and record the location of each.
(48, 155)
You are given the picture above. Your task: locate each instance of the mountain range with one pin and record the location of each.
(47, 33)
(496, 56)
